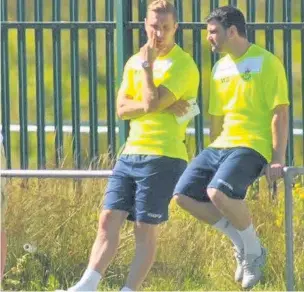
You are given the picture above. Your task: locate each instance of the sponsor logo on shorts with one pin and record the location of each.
(153, 215)
(229, 186)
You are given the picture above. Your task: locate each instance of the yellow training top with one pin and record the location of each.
(245, 91)
(158, 133)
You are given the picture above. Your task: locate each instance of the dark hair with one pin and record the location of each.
(228, 16)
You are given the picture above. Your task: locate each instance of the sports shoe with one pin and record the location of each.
(252, 266)
(239, 257)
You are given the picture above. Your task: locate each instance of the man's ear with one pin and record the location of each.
(232, 31)
(176, 26)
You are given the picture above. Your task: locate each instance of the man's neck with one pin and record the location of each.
(165, 51)
(239, 48)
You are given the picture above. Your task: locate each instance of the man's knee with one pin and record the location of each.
(110, 222)
(216, 196)
(145, 233)
(181, 200)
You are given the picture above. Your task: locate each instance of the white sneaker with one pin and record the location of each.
(252, 267)
(239, 258)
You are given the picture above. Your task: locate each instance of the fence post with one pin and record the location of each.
(124, 51)
(22, 68)
(40, 86)
(288, 176)
(288, 65)
(5, 92)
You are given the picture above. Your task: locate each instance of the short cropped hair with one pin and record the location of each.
(228, 16)
(162, 6)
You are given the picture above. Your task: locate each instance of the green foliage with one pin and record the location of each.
(60, 219)
(102, 73)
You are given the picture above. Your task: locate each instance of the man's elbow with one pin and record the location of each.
(150, 107)
(121, 114)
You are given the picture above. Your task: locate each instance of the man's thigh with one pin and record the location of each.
(240, 168)
(121, 187)
(195, 179)
(155, 177)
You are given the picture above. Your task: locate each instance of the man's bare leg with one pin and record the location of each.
(146, 241)
(104, 249)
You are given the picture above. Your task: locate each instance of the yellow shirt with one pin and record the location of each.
(245, 91)
(158, 133)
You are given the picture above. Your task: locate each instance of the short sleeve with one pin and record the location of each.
(215, 103)
(127, 84)
(181, 79)
(275, 83)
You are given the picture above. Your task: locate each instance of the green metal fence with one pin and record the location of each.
(277, 25)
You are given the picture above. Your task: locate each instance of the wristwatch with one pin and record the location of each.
(145, 64)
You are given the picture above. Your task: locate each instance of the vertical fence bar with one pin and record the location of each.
(289, 231)
(110, 81)
(124, 51)
(22, 86)
(40, 86)
(93, 105)
(251, 18)
(214, 56)
(269, 15)
(75, 85)
(302, 74)
(57, 79)
(5, 93)
(142, 10)
(179, 34)
(288, 66)
(233, 3)
(197, 54)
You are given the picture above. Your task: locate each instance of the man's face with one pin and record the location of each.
(217, 36)
(163, 26)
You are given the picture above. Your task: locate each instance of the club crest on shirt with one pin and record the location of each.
(246, 76)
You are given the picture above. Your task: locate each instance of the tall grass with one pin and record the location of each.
(60, 218)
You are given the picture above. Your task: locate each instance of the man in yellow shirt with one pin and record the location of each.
(157, 83)
(249, 123)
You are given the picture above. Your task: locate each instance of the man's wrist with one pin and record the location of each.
(145, 64)
(278, 161)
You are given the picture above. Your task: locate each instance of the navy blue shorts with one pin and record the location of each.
(231, 171)
(143, 186)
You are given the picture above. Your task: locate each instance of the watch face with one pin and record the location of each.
(145, 64)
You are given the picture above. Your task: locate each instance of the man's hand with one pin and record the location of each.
(179, 108)
(273, 171)
(149, 51)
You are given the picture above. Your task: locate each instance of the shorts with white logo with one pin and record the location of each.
(143, 186)
(230, 170)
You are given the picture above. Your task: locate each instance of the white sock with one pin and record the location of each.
(251, 242)
(227, 228)
(88, 282)
(126, 289)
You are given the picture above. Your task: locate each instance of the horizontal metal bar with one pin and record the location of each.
(250, 26)
(104, 129)
(60, 24)
(56, 173)
(137, 25)
(290, 172)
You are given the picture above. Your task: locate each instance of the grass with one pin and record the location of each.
(60, 218)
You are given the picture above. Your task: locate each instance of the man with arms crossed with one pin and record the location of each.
(156, 83)
(249, 124)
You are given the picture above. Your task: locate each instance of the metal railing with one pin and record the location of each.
(123, 18)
